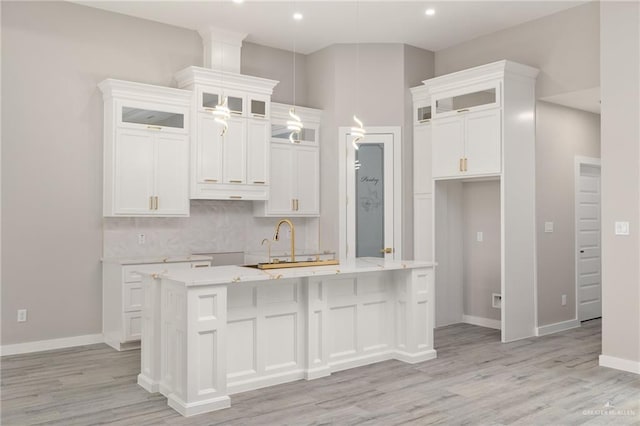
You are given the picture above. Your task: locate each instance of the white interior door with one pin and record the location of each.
(372, 196)
(588, 256)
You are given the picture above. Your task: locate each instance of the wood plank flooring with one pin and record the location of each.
(475, 380)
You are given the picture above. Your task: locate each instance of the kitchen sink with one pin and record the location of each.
(297, 264)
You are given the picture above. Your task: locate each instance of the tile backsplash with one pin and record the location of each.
(213, 227)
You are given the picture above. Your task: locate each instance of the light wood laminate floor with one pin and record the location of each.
(475, 380)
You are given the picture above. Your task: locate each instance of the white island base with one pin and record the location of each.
(211, 332)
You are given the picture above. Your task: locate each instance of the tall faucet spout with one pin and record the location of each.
(293, 236)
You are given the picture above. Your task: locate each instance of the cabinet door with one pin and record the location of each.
(257, 151)
(447, 146)
(133, 175)
(483, 148)
(172, 175)
(208, 150)
(234, 151)
(423, 227)
(422, 159)
(307, 178)
(282, 179)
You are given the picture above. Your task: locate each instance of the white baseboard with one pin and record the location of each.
(557, 327)
(482, 322)
(47, 345)
(619, 364)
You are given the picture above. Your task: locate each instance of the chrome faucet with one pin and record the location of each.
(293, 236)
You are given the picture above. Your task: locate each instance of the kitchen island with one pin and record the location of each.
(208, 333)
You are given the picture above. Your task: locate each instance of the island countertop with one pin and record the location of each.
(232, 274)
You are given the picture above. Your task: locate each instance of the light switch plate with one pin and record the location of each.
(622, 228)
(548, 227)
(479, 236)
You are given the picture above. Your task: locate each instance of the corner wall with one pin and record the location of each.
(620, 71)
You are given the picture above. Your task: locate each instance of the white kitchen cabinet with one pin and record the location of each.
(233, 166)
(146, 150)
(467, 144)
(482, 132)
(122, 295)
(257, 151)
(294, 167)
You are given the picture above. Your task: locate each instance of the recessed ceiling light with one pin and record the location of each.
(297, 16)
(430, 12)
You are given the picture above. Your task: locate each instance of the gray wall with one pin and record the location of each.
(620, 24)
(386, 71)
(564, 46)
(561, 134)
(481, 265)
(276, 64)
(53, 57)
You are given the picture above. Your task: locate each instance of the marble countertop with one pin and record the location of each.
(157, 259)
(232, 274)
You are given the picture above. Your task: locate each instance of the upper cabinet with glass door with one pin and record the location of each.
(233, 165)
(466, 99)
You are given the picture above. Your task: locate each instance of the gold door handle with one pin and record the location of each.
(387, 250)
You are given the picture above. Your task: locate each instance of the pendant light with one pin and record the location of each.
(357, 132)
(295, 124)
(221, 112)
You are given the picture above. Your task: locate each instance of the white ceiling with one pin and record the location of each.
(586, 100)
(270, 23)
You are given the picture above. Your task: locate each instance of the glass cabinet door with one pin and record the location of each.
(467, 101)
(152, 118)
(235, 104)
(209, 100)
(424, 114)
(258, 108)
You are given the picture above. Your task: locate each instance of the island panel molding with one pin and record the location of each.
(213, 332)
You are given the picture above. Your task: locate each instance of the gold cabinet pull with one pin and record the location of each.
(293, 204)
(235, 197)
(460, 165)
(235, 181)
(297, 204)
(463, 110)
(150, 203)
(202, 265)
(387, 250)
(155, 203)
(465, 164)
(211, 180)
(154, 127)
(259, 181)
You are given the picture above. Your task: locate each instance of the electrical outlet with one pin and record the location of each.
(548, 227)
(564, 300)
(496, 300)
(622, 228)
(22, 315)
(479, 236)
(142, 239)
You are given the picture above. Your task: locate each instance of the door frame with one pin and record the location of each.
(347, 237)
(579, 161)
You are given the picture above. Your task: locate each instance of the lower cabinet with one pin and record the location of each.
(122, 298)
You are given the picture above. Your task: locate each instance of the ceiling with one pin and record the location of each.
(270, 23)
(586, 100)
